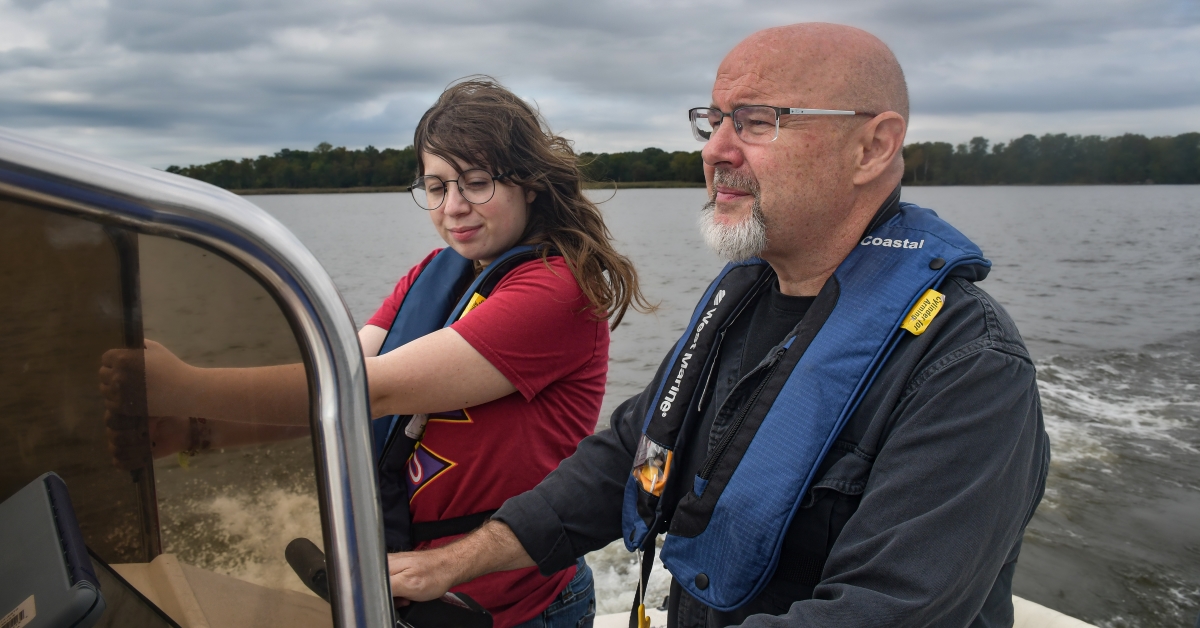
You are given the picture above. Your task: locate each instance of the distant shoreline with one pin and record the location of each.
(385, 189)
(625, 185)
(600, 185)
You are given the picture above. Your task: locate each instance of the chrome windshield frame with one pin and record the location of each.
(158, 203)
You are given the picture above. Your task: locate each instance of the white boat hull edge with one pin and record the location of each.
(1028, 615)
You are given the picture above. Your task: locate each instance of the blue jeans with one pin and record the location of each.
(575, 606)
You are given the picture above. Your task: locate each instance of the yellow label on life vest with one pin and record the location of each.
(923, 312)
(476, 299)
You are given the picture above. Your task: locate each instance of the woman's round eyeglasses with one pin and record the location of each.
(755, 124)
(477, 187)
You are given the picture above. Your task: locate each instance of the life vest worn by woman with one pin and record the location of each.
(442, 474)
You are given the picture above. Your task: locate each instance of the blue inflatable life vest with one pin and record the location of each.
(727, 524)
(431, 303)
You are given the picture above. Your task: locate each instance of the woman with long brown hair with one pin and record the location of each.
(534, 387)
(486, 365)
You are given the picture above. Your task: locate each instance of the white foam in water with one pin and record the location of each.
(245, 535)
(1138, 399)
(616, 571)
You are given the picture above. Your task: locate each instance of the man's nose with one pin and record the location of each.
(723, 147)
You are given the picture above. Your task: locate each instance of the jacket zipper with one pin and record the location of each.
(715, 353)
(727, 439)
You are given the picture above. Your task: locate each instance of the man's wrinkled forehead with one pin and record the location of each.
(780, 67)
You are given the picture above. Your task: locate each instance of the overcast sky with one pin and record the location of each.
(188, 81)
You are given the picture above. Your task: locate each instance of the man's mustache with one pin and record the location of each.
(730, 178)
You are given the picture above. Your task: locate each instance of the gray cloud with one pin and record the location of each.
(191, 80)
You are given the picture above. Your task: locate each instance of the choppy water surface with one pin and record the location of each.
(1104, 283)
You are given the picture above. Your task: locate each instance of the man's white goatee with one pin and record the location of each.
(738, 242)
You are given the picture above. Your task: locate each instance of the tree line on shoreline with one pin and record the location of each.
(1056, 159)
(1028, 160)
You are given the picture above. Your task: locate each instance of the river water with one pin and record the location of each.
(1104, 283)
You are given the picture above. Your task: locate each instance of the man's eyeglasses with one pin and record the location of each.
(755, 124)
(477, 187)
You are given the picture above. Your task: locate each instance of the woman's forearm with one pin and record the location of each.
(266, 395)
(434, 373)
(216, 434)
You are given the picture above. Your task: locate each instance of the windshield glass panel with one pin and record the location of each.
(184, 501)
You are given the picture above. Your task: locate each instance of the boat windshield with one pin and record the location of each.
(186, 519)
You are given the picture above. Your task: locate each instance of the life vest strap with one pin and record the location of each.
(430, 530)
(637, 613)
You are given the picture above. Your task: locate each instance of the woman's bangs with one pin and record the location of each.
(461, 149)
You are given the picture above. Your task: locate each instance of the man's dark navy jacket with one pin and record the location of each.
(916, 515)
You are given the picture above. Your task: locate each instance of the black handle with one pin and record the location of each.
(308, 561)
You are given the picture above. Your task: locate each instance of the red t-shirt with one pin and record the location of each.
(537, 330)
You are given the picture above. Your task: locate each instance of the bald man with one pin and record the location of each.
(849, 431)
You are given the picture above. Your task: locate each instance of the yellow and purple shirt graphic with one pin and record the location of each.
(425, 465)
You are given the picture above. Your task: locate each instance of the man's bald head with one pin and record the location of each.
(826, 66)
(815, 187)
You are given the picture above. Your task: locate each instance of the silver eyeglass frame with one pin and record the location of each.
(416, 185)
(779, 111)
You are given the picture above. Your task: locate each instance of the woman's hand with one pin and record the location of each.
(127, 376)
(137, 386)
(418, 576)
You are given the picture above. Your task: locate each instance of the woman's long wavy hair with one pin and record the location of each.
(479, 122)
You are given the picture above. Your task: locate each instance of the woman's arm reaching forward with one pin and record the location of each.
(435, 373)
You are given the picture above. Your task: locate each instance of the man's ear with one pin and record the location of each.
(529, 196)
(881, 141)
